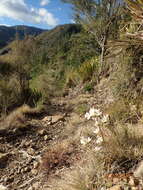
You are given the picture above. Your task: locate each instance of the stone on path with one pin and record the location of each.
(3, 187)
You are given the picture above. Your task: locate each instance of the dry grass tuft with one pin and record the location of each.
(17, 118)
(125, 145)
(87, 175)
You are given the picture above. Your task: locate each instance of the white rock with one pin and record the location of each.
(45, 137)
(95, 112)
(30, 188)
(47, 118)
(42, 132)
(35, 165)
(87, 116)
(96, 122)
(34, 172)
(139, 171)
(2, 187)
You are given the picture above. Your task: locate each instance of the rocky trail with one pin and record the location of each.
(25, 151)
(21, 150)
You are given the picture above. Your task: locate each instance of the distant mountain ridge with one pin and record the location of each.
(8, 33)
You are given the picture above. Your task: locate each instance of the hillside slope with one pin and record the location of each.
(7, 34)
(68, 43)
(57, 39)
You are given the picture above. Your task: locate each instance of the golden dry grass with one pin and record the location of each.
(125, 143)
(84, 175)
(17, 119)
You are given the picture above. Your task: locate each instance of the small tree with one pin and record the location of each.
(99, 17)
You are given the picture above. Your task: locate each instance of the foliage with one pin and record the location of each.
(136, 9)
(15, 72)
(89, 69)
(100, 18)
(89, 87)
(43, 66)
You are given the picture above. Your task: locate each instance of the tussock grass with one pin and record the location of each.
(89, 70)
(86, 175)
(72, 77)
(10, 93)
(119, 111)
(124, 145)
(17, 118)
(124, 111)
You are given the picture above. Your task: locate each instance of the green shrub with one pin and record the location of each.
(72, 77)
(85, 72)
(81, 108)
(88, 87)
(5, 68)
(10, 93)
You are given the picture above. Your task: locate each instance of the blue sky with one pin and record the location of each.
(39, 13)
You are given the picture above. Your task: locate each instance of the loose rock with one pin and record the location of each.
(34, 172)
(42, 132)
(36, 185)
(116, 187)
(3, 187)
(57, 118)
(35, 165)
(31, 151)
(46, 137)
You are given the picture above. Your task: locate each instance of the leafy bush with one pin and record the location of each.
(10, 93)
(89, 87)
(5, 68)
(14, 92)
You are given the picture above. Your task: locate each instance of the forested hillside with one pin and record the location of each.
(8, 33)
(48, 63)
(71, 102)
